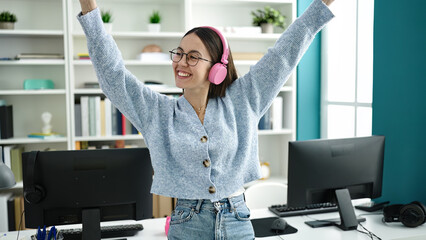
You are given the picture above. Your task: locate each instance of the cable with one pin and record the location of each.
(367, 232)
(20, 224)
(371, 234)
(278, 235)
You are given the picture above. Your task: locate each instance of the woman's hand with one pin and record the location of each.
(87, 6)
(327, 2)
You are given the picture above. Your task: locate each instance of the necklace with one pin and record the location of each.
(201, 109)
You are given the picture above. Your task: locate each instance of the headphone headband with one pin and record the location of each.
(225, 54)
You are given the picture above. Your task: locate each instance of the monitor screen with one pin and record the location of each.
(60, 186)
(317, 168)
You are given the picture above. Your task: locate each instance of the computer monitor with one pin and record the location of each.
(86, 186)
(335, 170)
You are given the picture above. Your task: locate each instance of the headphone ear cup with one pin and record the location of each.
(217, 73)
(412, 215)
(35, 196)
(391, 212)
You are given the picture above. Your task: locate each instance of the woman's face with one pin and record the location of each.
(192, 77)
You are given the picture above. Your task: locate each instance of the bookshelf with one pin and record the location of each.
(51, 26)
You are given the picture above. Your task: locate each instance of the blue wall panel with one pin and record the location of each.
(399, 96)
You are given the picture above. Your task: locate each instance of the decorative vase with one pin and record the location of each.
(108, 27)
(154, 27)
(267, 27)
(7, 25)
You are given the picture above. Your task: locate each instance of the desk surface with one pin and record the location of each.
(154, 229)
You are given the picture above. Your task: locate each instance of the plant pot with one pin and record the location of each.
(154, 27)
(7, 25)
(108, 27)
(267, 28)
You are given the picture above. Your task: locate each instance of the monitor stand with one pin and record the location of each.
(91, 219)
(347, 220)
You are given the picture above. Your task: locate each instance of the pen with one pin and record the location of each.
(43, 235)
(38, 233)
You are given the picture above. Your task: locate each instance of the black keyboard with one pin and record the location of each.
(285, 211)
(126, 230)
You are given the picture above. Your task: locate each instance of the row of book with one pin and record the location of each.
(11, 212)
(11, 206)
(86, 145)
(95, 116)
(273, 118)
(11, 155)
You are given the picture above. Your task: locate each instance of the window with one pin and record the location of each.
(347, 70)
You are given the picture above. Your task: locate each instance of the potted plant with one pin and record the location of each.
(107, 19)
(7, 20)
(268, 17)
(154, 22)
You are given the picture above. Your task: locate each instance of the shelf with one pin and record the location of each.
(274, 132)
(31, 33)
(26, 140)
(158, 63)
(33, 92)
(110, 138)
(127, 63)
(158, 88)
(136, 34)
(243, 1)
(34, 62)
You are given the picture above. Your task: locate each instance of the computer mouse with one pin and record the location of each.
(279, 224)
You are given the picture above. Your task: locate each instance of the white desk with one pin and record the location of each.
(154, 229)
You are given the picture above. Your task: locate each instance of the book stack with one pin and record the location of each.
(273, 118)
(23, 56)
(6, 121)
(11, 208)
(45, 135)
(83, 56)
(95, 116)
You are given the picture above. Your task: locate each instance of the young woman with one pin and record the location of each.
(204, 145)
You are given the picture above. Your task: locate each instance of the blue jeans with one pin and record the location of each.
(202, 219)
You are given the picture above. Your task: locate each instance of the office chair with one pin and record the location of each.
(265, 194)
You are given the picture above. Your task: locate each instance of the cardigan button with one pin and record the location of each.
(212, 189)
(206, 163)
(203, 139)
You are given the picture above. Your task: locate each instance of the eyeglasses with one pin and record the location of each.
(192, 57)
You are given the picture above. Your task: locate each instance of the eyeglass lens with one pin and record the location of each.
(192, 58)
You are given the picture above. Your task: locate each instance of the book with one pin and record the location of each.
(108, 117)
(265, 122)
(277, 113)
(11, 213)
(45, 135)
(6, 155)
(39, 56)
(16, 162)
(123, 124)
(114, 120)
(4, 215)
(98, 123)
(102, 116)
(77, 119)
(119, 118)
(82, 56)
(84, 102)
(19, 216)
(92, 116)
(6, 122)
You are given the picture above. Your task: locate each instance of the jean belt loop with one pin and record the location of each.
(231, 205)
(197, 208)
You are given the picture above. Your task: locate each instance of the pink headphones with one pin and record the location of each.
(218, 71)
